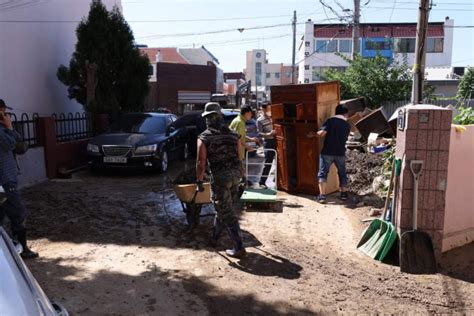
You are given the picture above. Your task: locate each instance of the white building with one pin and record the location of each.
(40, 36)
(33, 46)
(395, 41)
(445, 80)
(263, 74)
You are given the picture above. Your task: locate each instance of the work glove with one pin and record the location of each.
(199, 186)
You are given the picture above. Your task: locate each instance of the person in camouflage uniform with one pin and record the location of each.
(218, 146)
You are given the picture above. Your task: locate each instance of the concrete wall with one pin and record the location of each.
(446, 88)
(32, 167)
(459, 216)
(30, 53)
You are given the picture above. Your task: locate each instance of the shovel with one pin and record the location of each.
(390, 241)
(380, 233)
(416, 248)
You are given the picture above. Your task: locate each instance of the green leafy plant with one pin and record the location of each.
(378, 79)
(466, 86)
(105, 40)
(465, 116)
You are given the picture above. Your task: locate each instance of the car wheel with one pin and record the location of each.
(185, 154)
(164, 162)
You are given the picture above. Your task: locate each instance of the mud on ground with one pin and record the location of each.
(116, 244)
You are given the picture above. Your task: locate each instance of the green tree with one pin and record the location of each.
(105, 39)
(466, 86)
(375, 78)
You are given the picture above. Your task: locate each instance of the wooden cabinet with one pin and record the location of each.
(298, 110)
(308, 102)
(307, 156)
(286, 151)
(276, 111)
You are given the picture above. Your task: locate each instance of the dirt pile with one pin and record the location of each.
(188, 176)
(362, 168)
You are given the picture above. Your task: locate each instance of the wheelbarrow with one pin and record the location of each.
(192, 201)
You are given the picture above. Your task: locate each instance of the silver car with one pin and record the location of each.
(20, 294)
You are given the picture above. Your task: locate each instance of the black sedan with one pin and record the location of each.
(146, 140)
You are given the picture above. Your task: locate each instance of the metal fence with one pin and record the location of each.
(73, 126)
(390, 107)
(27, 127)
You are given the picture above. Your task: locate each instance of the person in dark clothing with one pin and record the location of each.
(266, 131)
(12, 207)
(335, 132)
(219, 147)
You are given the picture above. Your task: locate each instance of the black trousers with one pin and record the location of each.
(13, 208)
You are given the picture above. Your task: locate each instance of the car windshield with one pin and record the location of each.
(141, 124)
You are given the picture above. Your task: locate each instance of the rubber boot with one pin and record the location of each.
(234, 232)
(27, 253)
(216, 231)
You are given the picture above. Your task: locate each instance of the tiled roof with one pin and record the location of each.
(376, 30)
(167, 55)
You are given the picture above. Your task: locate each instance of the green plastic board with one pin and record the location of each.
(259, 195)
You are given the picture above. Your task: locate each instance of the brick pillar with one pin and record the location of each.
(47, 139)
(426, 137)
(101, 123)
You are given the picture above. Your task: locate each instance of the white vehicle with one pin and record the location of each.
(20, 294)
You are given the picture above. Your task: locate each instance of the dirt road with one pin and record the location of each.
(116, 245)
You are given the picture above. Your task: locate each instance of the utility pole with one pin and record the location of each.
(420, 52)
(293, 59)
(355, 29)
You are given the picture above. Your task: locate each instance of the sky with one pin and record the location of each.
(267, 24)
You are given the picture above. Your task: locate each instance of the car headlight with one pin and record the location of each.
(93, 148)
(149, 149)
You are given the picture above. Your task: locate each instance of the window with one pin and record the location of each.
(258, 79)
(288, 74)
(435, 45)
(277, 75)
(306, 67)
(326, 46)
(319, 72)
(139, 123)
(372, 45)
(258, 68)
(150, 70)
(268, 75)
(405, 45)
(345, 46)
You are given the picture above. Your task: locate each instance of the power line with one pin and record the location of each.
(223, 30)
(393, 9)
(255, 39)
(11, 5)
(216, 31)
(139, 21)
(416, 9)
(437, 3)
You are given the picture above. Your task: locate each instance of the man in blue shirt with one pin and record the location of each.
(335, 132)
(13, 208)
